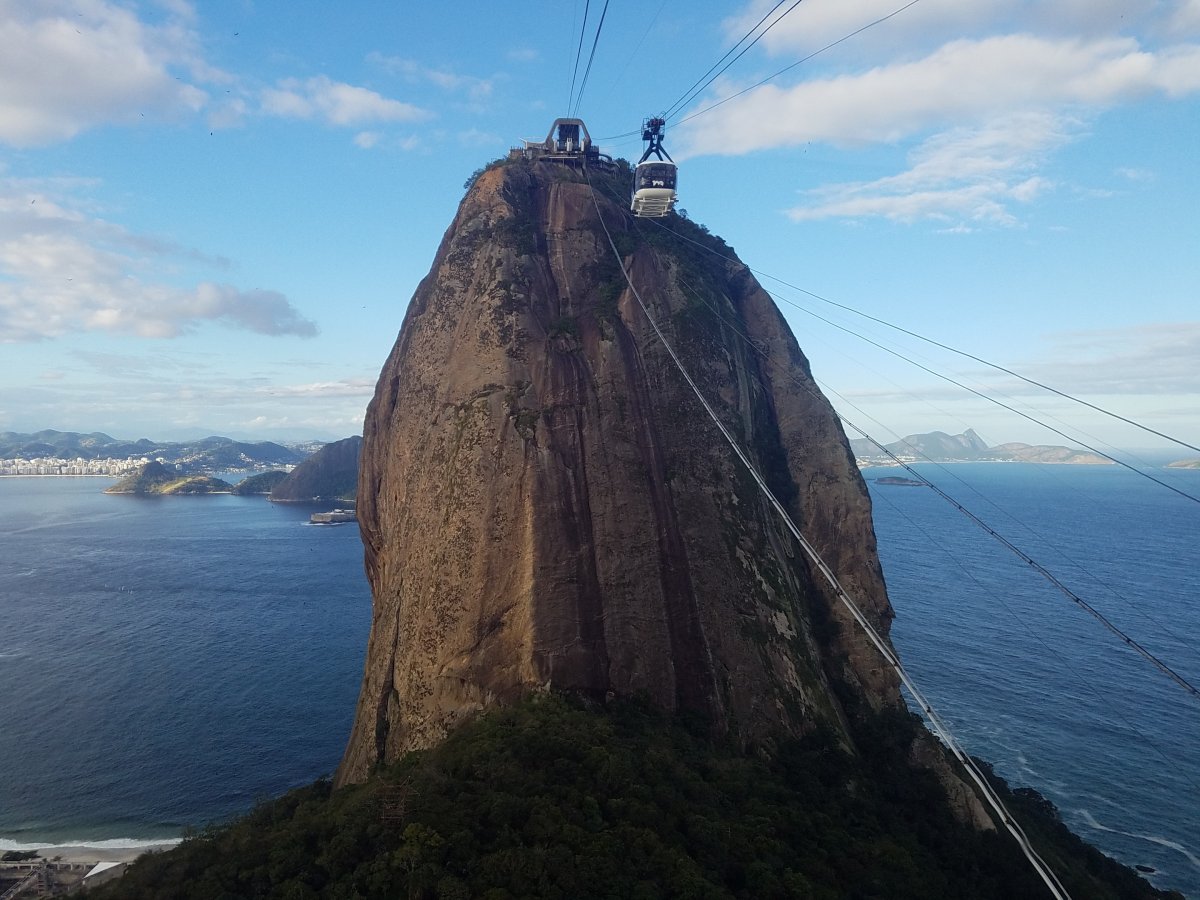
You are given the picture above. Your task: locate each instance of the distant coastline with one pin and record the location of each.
(57, 475)
(882, 462)
(939, 447)
(885, 463)
(50, 452)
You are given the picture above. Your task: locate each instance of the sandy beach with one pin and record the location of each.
(96, 853)
(60, 868)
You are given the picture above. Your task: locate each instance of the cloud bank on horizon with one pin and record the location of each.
(986, 90)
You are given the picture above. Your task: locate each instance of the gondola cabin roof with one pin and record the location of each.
(654, 183)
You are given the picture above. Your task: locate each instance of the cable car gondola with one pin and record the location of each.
(654, 179)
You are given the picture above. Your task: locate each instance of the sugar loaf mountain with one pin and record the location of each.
(598, 665)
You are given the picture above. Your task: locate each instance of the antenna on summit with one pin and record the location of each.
(654, 179)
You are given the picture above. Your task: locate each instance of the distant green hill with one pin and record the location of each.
(559, 798)
(263, 483)
(329, 474)
(155, 478)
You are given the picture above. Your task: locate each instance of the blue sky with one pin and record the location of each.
(212, 216)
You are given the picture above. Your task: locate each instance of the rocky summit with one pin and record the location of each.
(545, 503)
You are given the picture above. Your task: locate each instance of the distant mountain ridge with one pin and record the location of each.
(937, 446)
(214, 453)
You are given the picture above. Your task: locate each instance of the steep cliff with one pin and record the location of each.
(329, 474)
(544, 502)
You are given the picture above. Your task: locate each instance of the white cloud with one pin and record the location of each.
(181, 8)
(476, 89)
(347, 424)
(1185, 19)
(1157, 358)
(965, 174)
(345, 387)
(63, 270)
(474, 137)
(371, 140)
(985, 104)
(979, 202)
(229, 113)
(70, 65)
(964, 80)
(336, 103)
(1133, 174)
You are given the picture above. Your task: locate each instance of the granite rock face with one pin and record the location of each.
(544, 502)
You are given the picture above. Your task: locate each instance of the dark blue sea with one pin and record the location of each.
(164, 662)
(167, 661)
(1031, 682)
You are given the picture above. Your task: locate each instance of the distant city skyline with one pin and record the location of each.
(212, 219)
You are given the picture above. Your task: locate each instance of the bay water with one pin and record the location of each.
(166, 661)
(1033, 683)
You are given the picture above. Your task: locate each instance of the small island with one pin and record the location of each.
(896, 479)
(155, 478)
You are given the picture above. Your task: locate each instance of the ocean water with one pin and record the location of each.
(1027, 679)
(164, 662)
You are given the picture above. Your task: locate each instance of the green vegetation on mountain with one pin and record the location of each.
(558, 798)
(329, 474)
(262, 483)
(155, 478)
